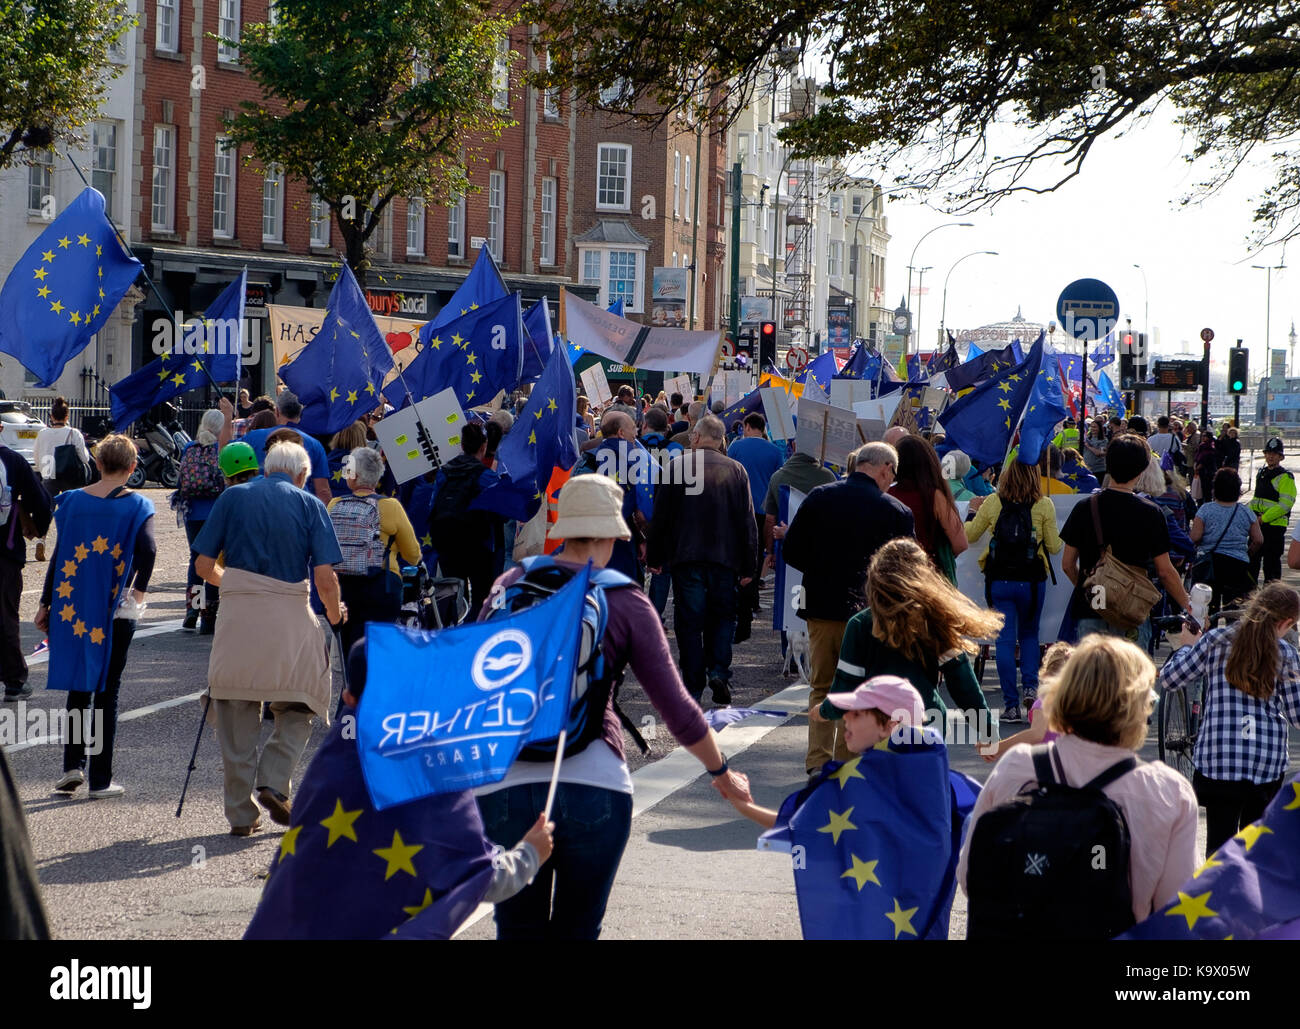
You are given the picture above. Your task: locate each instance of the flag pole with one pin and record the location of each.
(127, 247)
(555, 772)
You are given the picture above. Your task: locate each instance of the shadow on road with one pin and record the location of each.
(138, 859)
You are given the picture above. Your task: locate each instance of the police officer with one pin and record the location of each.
(1274, 495)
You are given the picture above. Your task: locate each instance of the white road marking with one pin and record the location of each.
(659, 780)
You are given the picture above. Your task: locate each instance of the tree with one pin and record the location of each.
(54, 69)
(932, 89)
(367, 100)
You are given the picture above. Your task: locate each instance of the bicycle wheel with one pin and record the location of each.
(1176, 736)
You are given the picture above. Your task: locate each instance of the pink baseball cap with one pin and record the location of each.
(891, 694)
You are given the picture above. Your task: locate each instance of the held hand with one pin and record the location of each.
(733, 785)
(767, 564)
(540, 837)
(1187, 638)
(227, 408)
(656, 571)
(746, 582)
(342, 616)
(815, 714)
(42, 619)
(975, 503)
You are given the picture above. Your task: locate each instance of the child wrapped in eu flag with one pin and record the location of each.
(873, 840)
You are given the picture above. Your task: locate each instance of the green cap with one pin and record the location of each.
(236, 458)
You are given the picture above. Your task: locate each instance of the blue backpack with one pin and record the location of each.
(594, 683)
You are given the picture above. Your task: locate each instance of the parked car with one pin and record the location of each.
(18, 427)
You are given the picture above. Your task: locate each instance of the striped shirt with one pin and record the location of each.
(1240, 738)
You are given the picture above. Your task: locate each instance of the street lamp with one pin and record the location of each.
(1146, 305)
(1269, 269)
(920, 295)
(910, 260)
(943, 317)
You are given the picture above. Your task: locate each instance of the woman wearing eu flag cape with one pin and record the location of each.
(95, 584)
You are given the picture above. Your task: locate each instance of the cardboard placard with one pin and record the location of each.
(399, 435)
(776, 409)
(881, 410)
(596, 385)
(847, 392)
(826, 433)
(728, 387)
(679, 384)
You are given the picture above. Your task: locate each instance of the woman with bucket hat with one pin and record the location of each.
(593, 801)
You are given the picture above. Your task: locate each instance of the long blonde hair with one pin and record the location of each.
(1103, 693)
(916, 610)
(1253, 657)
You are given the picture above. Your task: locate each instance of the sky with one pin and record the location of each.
(1123, 209)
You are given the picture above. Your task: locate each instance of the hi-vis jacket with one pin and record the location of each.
(1274, 496)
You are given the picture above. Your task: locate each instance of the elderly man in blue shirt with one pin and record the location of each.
(268, 646)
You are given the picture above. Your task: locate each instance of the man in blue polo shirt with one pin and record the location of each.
(288, 409)
(760, 459)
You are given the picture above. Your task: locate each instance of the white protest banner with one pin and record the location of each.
(399, 436)
(847, 392)
(596, 385)
(644, 347)
(827, 433)
(728, 387)
(776, 409)
(292, 328)
(789, 580)
(679, 384)
(881, 410)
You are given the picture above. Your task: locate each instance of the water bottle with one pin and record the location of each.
(1200, 602)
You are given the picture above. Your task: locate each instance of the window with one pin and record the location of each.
(223, 190)
(550, 97)
(834, 258)
(415, 227)
(742, 149)
(40, 181)
(117, 49)
(677, 183)
(272, 15)
(674, 258)
(167, 29)
(163, 206)
(381, 240)
(548, 221)
(456, 229)
(686, 190)
(591, 268)
(612, 94)
(496, 212)
(855, 206)
(622, 278)
(273, 205)
(837, 206)
(103, 162)
(319, 232)
(419, 70)
(228, 28)
(613, 177)
(501, 76)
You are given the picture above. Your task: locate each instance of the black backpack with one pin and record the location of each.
(1053, 864)
(451, 525)
(1013, 551)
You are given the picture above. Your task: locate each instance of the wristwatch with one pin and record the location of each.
(722, 770)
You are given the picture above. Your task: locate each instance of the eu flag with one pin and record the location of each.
(1103, 355)
(819, 371)
(856, 365)
(1113, 398)
(539, 341)
(450, 710)
(944, 360)
(338, 375)
(1249, 889)
(875, 842)
(915, 372)
(482, 285)
(180, 370)
(983, 366)
(345, 870)
(63, 289)
(541, 440)
(981, 423)
(1046, 405)
(90, 565)
(476, 355)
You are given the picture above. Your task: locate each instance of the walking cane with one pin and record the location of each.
(207, 702)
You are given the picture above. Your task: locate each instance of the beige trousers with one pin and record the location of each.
(825, 739)
(239, 729)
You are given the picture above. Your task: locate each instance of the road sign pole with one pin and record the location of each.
(1236, 410)
(1207, 334)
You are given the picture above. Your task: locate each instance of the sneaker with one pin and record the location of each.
(1027, 698)
(40, 550)
(246, 830)
(19, 694)
(191, 620)
(207, 628)
(111, 790)
(721, 692)
(67, 786)
(1011, 715)
(276, 804)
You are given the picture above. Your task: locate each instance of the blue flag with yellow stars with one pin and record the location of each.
(215, 344)
(982, 422)
(450, 710)
(482, 285)
(63, 289)
(91, 563)
(541, 440)
(984, 365)
(819, 371)
(856, 366)
(539, 340)
(1248, 889)
(1103, 355)
(946, 359)
(1045, 409)
(339, 374)
(874, 842)
(345, 871)
(477, 355)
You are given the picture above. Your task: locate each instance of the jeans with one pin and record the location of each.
(1269, 556)
(1230, 806)
(13, 665)
(1141, 636)
(592, 826)
(369, 598)
(104, 703)
(1020, 604)
(704, 618)
(660, 584)
(210, 593)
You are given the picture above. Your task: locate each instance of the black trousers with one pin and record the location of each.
(369, 598)
(1230, 806)
(97, 744)
(474, 567)
(1269, 556)
(13, 665)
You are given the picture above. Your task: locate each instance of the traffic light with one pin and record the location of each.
(1238, 369)
(766, 345)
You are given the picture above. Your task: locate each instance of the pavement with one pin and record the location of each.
(130, 869)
